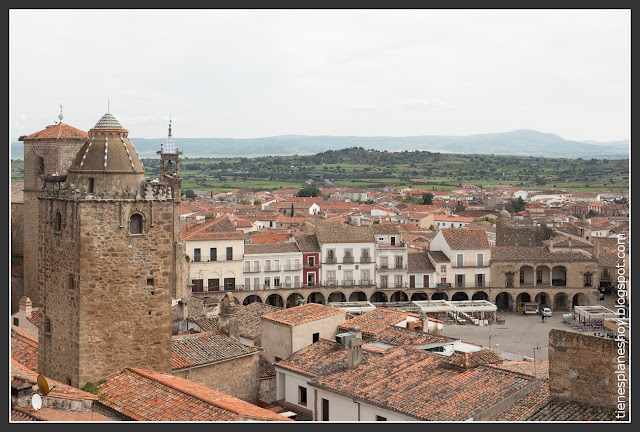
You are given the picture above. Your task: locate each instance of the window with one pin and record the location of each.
(383, 281)
(213, 254)
(40, 165)
(393, 241)
(365, 257)
(135, 224)
(316, 337)
(312, 262)
(47, 326)
(509, 280)
(325, 410)
(197, 285)
(58, 222)
(276, 265)
(443, 269)
(398, 262)
(380, 418)
(229, 254)
(331, 277)
(247, 266)
(364, 276)
(267, 265)
(213, 284)
(521, 276)
(72, 281)
(480, 280)
(16, 322)
(459, 260)
(398, 281)
(267, 282)
(587, 279)
(383, 262)
(276, 281)
(480, 259)
(229, 284)
(196, 255)
(348, 277)
(91, 184)
(302, 395)
(150, 282)
(538, 276)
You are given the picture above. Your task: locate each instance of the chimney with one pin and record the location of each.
(25, 305)
(228, 318)
(354, 349)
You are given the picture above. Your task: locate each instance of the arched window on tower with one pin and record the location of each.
(39, 165)
(136, 224)
(58, 222)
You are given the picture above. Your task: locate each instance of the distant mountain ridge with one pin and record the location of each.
(522, 142)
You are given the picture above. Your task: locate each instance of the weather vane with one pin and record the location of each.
(60, 116)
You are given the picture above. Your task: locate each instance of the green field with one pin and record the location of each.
(370, 169)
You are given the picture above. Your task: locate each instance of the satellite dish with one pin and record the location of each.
(36, 401)
(43, 384)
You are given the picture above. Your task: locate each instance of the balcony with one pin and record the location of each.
(255, 270)
(365, 259)
(308, 267)
(347, 260)
(398, 245)
(392, 268)
(347, 283)
(332, 260)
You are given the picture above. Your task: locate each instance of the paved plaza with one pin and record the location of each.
(519, 333)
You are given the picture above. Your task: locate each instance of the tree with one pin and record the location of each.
(427, 198)
(309, 191)
(459, 207)
(190, 194)
(291, 210)
(592, 213)
(518, 204)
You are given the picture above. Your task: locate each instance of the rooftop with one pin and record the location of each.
(302, 314)
(24, 348)
(151, 396)
(417, 384)
(377, 320)
(205, 348)
(466, 239)
(345, 234)
(60, 130)
(539, 253)
(270, 248)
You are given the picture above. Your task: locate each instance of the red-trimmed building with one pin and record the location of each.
(308, 245)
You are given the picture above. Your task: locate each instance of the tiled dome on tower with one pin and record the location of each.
(107, 152)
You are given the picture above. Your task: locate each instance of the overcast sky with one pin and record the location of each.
(259, 73)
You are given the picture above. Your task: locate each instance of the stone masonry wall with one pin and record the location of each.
(119, 314)
(239, 377)
(57, 155)
(582, 368)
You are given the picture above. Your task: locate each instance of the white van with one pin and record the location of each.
(546, 312)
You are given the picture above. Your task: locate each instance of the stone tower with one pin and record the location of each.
(503, 222)
(110, 263)
(47, 152)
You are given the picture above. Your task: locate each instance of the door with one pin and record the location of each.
(459, 281)
(425, 281)
(412, 281)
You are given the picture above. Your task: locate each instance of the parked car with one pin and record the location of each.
(546, 312)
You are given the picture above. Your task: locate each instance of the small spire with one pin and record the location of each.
(169, 124)
(60, 116)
